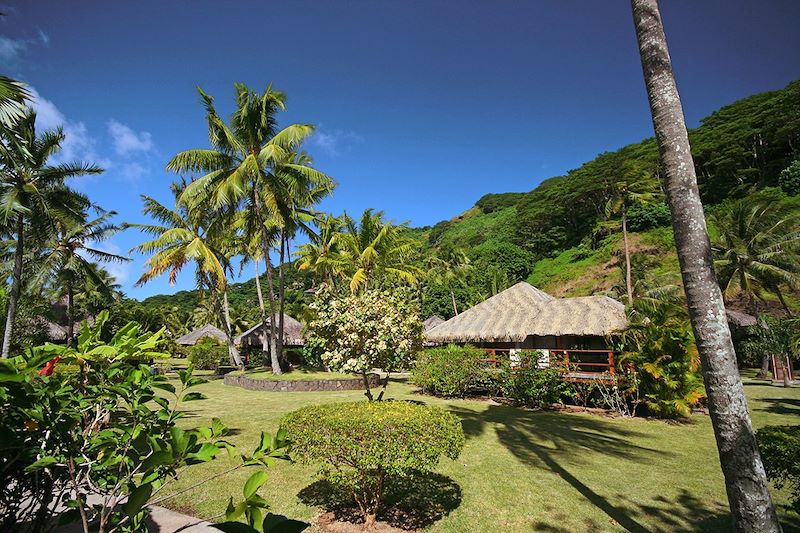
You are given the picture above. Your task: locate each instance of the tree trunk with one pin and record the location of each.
(453, 298)
(273, 347)
(263, 310)
(745, 480)
(70, 315)
(233, 353)
(281, 292)
(764, 372)
(778, 292)
(628, 281)
(16, 286)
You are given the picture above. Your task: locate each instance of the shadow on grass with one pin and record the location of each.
(410, 503)
(780, 406)
(552, 440)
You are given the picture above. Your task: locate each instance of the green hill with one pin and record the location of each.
(557, 235)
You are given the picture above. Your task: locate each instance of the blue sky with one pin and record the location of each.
(421, 106)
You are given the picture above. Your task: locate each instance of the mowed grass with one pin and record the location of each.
(520, 470)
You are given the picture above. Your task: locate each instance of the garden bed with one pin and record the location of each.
(297, 381)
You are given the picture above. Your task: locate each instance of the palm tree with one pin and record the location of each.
(757, 249)
(636, 186)
(321, 255)
(745, 480)
(451, 267)
(249, 162)
(67, 260)
(33, 192)
(185, 236)
(13, 95)
(376, 248)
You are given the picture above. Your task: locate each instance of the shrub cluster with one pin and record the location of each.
(780, 451)
(532, 386)
(363, 445)
(648, 216)
(208, 354)
(454, 372)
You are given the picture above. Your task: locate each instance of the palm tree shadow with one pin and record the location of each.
(780, 406)
(570, 439)
(410, 503)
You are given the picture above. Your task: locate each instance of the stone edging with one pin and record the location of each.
(298, 385)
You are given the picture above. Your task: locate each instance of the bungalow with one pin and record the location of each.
(526, 318)
(209, 330)
(292, 334)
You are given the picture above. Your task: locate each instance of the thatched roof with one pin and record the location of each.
(209, 330)
(431, 322)
(292, 333)
(740, 319)
(56, 332)
(523, 310)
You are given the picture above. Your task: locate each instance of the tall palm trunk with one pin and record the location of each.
(282, 290)
(233, 353)
(263, 310)
(70, 314)
(273, 347)
(628, 280)
(745, 480)
(453, 298)
(16, 286)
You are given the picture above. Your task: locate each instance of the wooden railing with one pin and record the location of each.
(572, 358)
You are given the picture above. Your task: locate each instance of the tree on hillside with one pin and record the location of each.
(250, 165)
(34, 194)
(636, 186)
(745, 480)
(183, 236)
(451, 268)
(375, 248)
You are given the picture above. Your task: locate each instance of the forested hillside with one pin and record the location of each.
(563, 237)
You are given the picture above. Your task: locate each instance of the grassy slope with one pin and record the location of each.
(521, 470)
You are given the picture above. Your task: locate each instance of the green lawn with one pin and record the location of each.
(520, 470)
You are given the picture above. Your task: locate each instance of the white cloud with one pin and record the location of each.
(133, 172)
(78, 144)
(44, 38)
(334, 143)
(126, 140)
(119, 271)
(11, 49)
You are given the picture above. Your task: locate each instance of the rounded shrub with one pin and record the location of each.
(362, 446)
(453, 371)
(532, 386)
(208, 354)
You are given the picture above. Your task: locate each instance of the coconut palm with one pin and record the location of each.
(757, 250)
(745, 480)
(321, 255)
(450, 267)
(13, 95)
(33, 193)
(635, 186)
(250, 163)
(375, 248)
(67, 260)
(185, 236)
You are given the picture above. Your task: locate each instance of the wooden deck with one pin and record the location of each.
(583, 365)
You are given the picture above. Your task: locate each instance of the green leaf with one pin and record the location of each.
(137, 499)
(255, 482)
(42, 463)
(169, 387)
(191, 396)
(275, 523)
(157, 459)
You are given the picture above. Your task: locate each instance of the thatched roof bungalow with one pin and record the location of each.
(431, 322)
(209, 330)
(526, 318)
(292, 334)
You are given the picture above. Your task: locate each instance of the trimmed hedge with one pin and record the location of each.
(363, 445)
(454, 372)
(780, 451)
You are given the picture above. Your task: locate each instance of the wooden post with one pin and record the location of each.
(611, 363)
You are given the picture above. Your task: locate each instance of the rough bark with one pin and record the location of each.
(262, 308)
(233, 353)
(273, 348)
(745, 480)
(628, 280)
(16, 286)
(282, 291)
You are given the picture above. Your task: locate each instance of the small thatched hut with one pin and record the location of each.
(209, 330)
(292, 334)
(526, 318)
(431, 322)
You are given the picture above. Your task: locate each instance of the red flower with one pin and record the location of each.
(49, 366)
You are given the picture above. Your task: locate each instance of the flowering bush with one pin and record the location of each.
(359, 332)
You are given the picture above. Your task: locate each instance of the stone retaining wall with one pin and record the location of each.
(299, 385)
